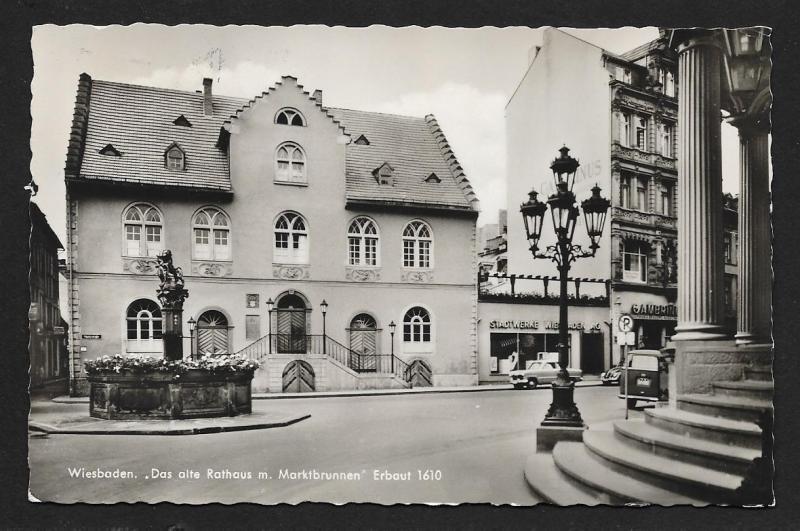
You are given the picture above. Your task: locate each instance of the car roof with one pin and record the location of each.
(645, 352)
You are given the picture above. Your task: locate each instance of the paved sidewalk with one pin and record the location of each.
(49, 417)
(366, 392)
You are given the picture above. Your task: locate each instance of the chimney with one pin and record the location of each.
(208, 107)
(317, 96)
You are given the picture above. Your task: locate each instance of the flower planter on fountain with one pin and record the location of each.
(131, 388)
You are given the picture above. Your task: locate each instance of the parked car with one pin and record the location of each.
(647, 377)
(540, 372)
(613, 376)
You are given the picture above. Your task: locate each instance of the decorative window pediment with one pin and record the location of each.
(110, 150)
(182, 121)
(362, 141)
(384, 174)
(432, 178)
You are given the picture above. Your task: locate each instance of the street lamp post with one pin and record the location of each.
(324, 306)
(392, 326)
(563, 411)
(270, 303)
(192, 324)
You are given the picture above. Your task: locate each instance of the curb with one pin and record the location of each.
(367, 392)
(48, 429)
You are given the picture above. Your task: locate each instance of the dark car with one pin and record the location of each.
(647, 377)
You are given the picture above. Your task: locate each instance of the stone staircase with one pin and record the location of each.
(709, 449)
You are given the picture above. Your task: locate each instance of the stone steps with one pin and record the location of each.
(732, 407)
(553, 486)
(711, 454)
(696, 481)
(695, 425)
(757, 389)
(575, 460)
(758, 372)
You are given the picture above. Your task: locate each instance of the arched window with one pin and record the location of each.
(362, 242)
(175, 159)
(417, 245)
(291, 239)
(212, 238)
(417, 325)
(290, 117)
(144, 320)
(290, 163)
(143, 230)
(634, 262)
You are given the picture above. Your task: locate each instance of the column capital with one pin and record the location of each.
(693, 38)
(751, 125)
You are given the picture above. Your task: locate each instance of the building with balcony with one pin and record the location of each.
(306, 234)
(618, 116)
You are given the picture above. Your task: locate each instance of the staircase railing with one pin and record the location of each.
(324, 344)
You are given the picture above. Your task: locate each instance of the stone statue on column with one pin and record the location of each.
(171, 295)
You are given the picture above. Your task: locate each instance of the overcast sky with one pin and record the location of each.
(463, 76)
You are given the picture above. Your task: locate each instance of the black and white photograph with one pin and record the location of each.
(401, 265)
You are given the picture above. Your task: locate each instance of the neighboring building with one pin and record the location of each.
(48, 356)
(730, 242)
(492, 251)
(617, 114)
(273, 200)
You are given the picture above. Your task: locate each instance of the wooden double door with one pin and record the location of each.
(364, 343)
(291, 323)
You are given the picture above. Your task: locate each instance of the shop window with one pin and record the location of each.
(634, 257)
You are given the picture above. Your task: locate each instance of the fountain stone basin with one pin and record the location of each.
(168, 395)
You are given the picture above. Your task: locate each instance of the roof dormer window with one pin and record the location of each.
(290, 117)
(110, 150)
(175, 158)
(384, 174)
(362, 141)
(182, 121)
(432, 178)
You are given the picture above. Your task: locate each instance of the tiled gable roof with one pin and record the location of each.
(412, 147)
(138, 121)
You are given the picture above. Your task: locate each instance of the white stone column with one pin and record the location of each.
(754, 279)
(701, 310)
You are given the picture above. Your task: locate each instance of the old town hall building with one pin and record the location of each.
(336, 246)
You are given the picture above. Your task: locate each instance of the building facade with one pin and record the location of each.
(272, 206)
(47, 346)
(618, 116)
